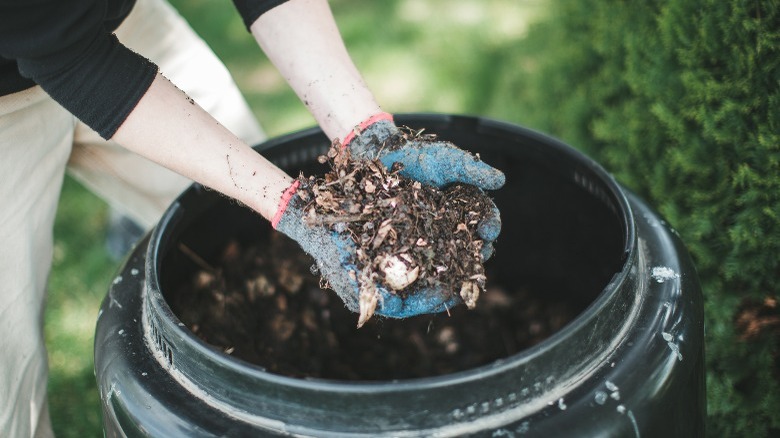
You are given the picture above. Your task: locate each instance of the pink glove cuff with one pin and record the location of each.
(365, 124)
(286, 197)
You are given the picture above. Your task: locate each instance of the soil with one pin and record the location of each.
(261, 303)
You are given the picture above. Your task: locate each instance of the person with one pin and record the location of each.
(88, 86)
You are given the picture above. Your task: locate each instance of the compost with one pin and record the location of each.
(259, 302)
(408, 236)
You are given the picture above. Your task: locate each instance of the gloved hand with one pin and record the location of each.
(435, 162)
(334, 254)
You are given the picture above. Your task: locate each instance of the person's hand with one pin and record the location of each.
(430, 161)
(334, 254)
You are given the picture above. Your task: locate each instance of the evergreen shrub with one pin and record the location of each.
(680, 100)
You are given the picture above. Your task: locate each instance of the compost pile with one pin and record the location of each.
(258, 301)
(408, 235)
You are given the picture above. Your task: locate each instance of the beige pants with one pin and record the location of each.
(38, 141)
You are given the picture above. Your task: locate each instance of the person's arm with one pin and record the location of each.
(169, 128)
(65, 47)
(301, 38)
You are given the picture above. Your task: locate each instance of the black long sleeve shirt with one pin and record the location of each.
(68, 48)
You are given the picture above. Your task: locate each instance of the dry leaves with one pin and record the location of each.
(754, 319)
(408, 235)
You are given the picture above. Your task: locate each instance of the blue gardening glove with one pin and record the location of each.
(435, 162)
(334, 254)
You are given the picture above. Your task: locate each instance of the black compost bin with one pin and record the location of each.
(628, 362)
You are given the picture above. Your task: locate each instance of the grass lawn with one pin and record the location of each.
(412, 62)
(80, 276)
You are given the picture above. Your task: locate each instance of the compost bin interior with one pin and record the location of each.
(248, 291)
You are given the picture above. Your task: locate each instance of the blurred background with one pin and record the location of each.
(679, 99)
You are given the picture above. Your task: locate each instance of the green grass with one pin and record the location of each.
(439, 56)
(80, 275)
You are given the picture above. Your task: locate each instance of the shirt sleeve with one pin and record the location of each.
(65, 47)
(251, 10)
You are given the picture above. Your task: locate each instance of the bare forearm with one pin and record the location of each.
(169, 128)
(302, 40)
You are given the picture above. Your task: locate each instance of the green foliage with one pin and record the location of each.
(681, 101)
